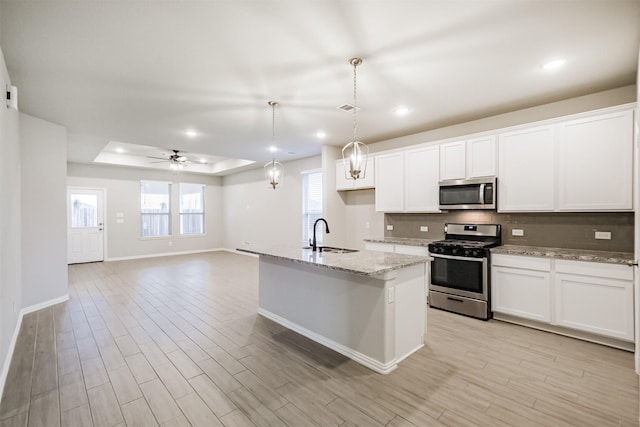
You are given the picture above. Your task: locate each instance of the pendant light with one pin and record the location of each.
(273, 171)
(355, 153)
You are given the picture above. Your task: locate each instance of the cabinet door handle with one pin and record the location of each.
(455, 299)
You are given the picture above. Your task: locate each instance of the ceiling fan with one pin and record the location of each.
(176, 160)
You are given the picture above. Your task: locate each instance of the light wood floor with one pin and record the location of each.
(176, 341)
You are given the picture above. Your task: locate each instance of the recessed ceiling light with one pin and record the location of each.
(203, 161)
(273, 148)
(552, 65)
(321, 134)
(120, 150)
(401, 111)
(191, 133)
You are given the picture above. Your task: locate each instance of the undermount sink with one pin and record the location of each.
(333, 249)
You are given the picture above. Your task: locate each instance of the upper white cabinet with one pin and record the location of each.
(390, 182)
(471, 158)
(342, 183)
(595, 160)
(452, 160)
(407, 181)
(576, 165)
(526, 181)
(481, 157)
(421, 180)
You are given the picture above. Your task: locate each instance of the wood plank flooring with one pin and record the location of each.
(176, 341)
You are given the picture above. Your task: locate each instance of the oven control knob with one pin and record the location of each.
(467, 252)
(454, 251)
(476, 253)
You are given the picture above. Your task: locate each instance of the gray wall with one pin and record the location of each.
(43, 147)
(256, 213)
(122, 187)
(554, 230)
(10, 229)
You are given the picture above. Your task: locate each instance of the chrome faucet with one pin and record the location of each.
(314, 245)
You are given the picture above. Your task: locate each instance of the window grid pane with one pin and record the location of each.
(155, 209)
(191, 208)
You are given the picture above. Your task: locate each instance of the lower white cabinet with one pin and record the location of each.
(597, 299)
(521, 287)
(587, 296)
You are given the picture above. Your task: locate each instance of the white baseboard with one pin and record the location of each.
(382, 368)
(126, 258)
(14, 338)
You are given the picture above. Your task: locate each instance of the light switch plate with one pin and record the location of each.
(389, 227)
(517, 232)
(603, 235)
(391, 297)
(424, 228)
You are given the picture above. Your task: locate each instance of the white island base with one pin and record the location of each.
(375, 320)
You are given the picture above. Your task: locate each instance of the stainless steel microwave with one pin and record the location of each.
(476, 193)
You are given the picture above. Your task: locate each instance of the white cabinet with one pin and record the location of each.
(452, 160)
(576, 165)
(596, 163)
(595, 297)
(481, 157)
(390, 182)
(592, 297)
(342, 183)
(421, 180)
(526, 164)
(521, 286)
(472, 158)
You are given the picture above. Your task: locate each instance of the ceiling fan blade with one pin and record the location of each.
(159, 158)
(161, 161)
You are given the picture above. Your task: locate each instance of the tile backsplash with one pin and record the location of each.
(555, 230)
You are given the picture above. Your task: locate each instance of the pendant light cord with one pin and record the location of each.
(355, 101)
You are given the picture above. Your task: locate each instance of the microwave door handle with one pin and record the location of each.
(482, 194)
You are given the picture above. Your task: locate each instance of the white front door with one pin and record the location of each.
(85, 224)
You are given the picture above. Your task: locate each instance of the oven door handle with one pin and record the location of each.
(460, 258)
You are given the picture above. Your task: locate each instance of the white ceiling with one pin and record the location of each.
(143, 72)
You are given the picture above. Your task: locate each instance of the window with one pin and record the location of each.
(191, 208)
(311, 204)
(84, 210)
(155, 208)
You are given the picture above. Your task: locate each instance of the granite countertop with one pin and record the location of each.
(401, 241)
(625, 258)
(366, 263)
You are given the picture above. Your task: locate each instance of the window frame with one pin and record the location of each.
(307, 232)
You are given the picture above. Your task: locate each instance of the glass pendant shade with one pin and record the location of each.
(274, 172)
(354, 156)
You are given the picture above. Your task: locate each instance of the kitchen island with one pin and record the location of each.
(369, 306)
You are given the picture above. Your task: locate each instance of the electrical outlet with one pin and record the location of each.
(389, 227)
(603, 235)
(517, 232)
(367, 225)
(170, 243)
(424, 228)
(391, 295)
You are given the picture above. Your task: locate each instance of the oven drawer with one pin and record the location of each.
(458, 304)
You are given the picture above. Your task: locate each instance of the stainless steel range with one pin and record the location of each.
(460, 266)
